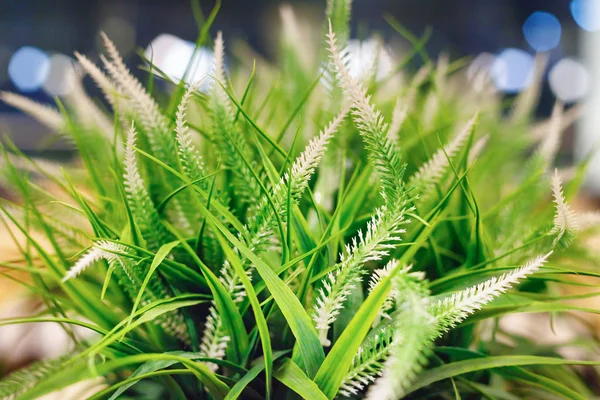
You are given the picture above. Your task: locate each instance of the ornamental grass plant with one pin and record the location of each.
(300, 228)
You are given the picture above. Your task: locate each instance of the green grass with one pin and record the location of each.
(297, 231)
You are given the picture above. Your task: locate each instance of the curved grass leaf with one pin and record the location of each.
(292, 376)
(480, 364)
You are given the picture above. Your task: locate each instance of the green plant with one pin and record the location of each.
(229, 251)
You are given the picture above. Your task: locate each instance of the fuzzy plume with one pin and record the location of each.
(454, 309)
(398, 116)
(297, 179)
(229, 139)
(368, 362)
(44, 114)
(381, 151)
(110, 91)
(376, 278)
(93, 255)
(551, 142)
(139, 101)
(413, 336)
(382, 235)
(139, 199)
(214, 341)
(566, 222)
(430, 173)
(478, 148)
(190, 158)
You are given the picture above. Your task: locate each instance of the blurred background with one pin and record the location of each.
(38, 38)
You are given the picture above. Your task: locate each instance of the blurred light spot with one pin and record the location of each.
(61, 75)
(542, 31)
(121, 32)
(585, 13)
(172, 55)
(513, 70)
(365, 56)
(569, 80)
(28, 68)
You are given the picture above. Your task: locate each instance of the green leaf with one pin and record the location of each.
(75, 372)
(295, 315)
(258, 367)
(479, 364)
(261, 323)
(230, 315)
(293, 377)
(155, 365)
(162, 252)
(338, 361)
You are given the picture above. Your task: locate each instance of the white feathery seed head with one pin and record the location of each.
(431, 172)
(357, 94)
(88, 112)
(102, 250)
(330, 301)
(44, 114)
(414, 332)
(305, 165)
(219, 76)
(189, 156)
(93, 255)
(213, 343)
(478, 148)
(456, 308)
(132, 174)
(551, 142)
(299, 176)
(181, 129)
(380, 274)
(219, 67)
(381, 151)
(138, 99)
(368, 361)
(399, 115)
(382, 236)
(565, 219)
(111, 93)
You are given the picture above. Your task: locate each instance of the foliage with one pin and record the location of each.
(301, 231)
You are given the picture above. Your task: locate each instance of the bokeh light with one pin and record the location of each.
(585, 13)
(172, 55)
(28, 68)
(542, 31)
(364, 56)
(61, 75)
(513, 70)
(569, 80)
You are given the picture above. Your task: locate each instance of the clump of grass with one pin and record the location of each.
(307, 232)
